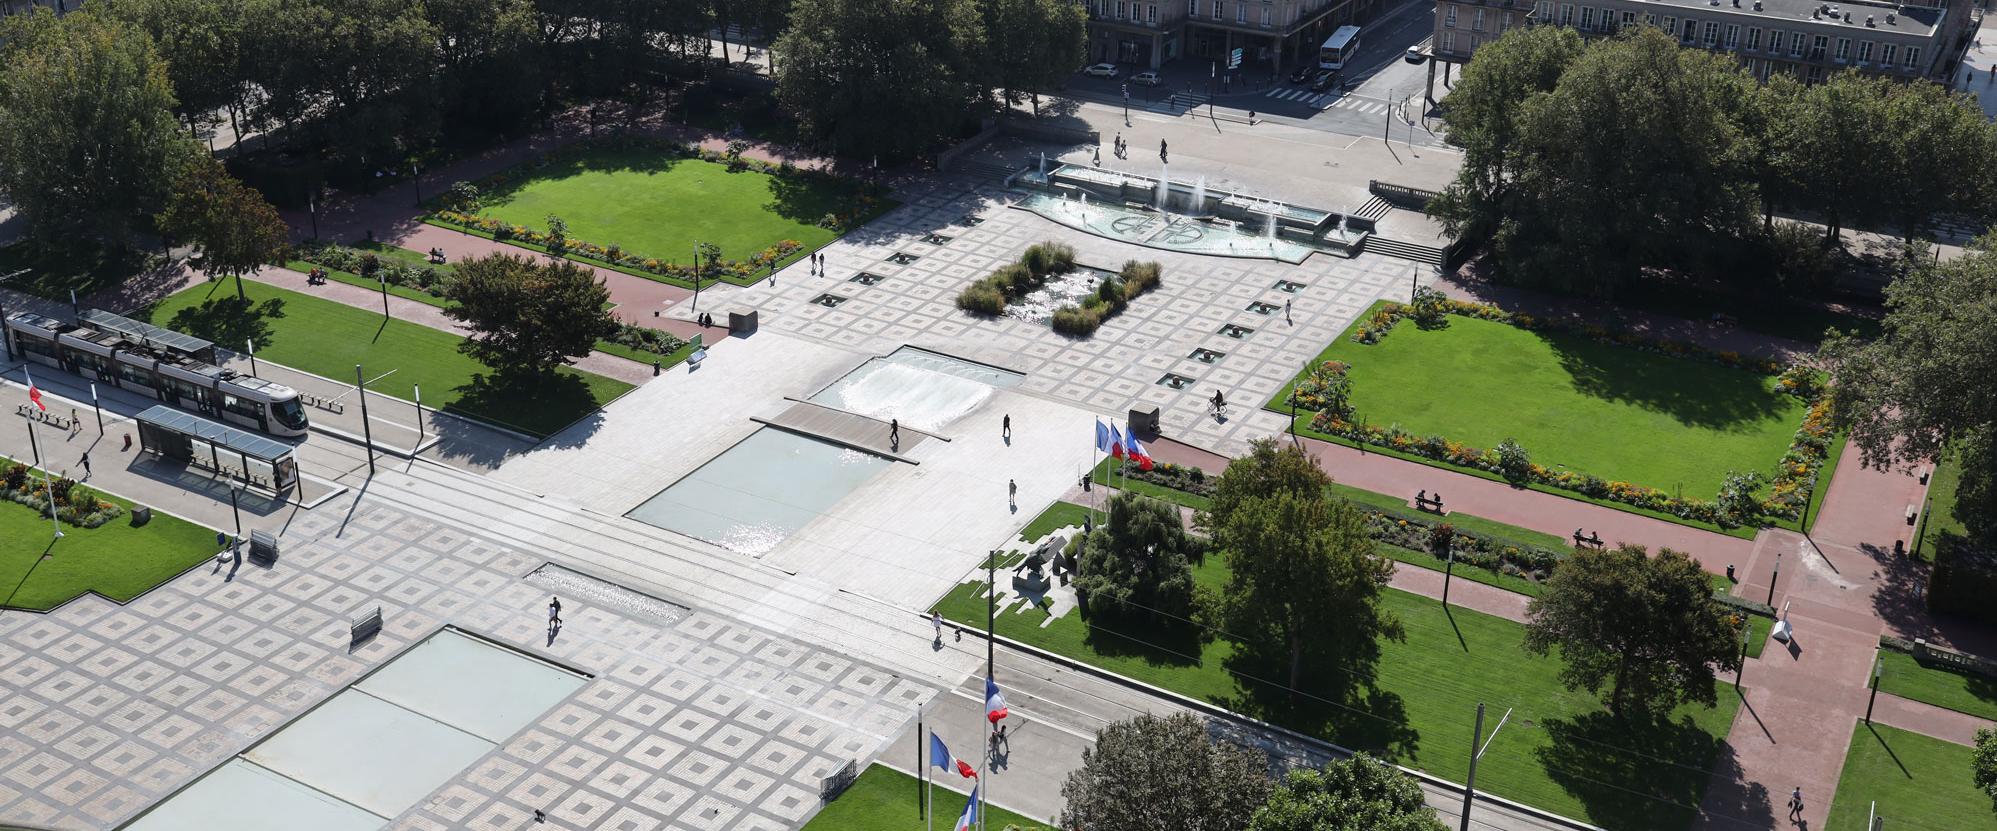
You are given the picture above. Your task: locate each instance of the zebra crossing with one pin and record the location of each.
(1317, 100)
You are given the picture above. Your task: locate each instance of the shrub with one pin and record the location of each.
(1326, 390)
(1077, 320)
(1431, 308)
(1736, 501)
(983, 297)
(368, 264)
(462, 196)
(1037, 259)
(1139, 278)
(1802, 381)
(1513, 461)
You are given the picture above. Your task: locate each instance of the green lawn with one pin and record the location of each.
(1757, 634)
(1057, 515)
(1559, 750)
(1918, 782)
(658, 205)
(328, 338)
(54, 270)
(1943, 687)
(1423, 559)
(1619, 413)
(115, 559)
(1940, 520)
(884, 799)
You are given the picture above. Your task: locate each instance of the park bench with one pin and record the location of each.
(1429, 504)
(364, 628)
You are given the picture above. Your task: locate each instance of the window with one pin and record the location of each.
(1192, 8)
(1265, 17)
(1712, 34)
(1477, 21)
(1119, 9)
(1587, 17)
(1216, 9)
(1913, 56)
(1449, 41)
(1629, 19)
(1543, 11)
(1753, 39)
(1733, 36)
(1817, 47)
(1649, 19)
(1566, 15)
(1690, 32)
(1506, 24)
(1795, 44)
(134, 376)
(1865, 51)
(1670, 24)
(1449, 17)
(1844, 49)
(1241, 13)
(1886, 53)
(241, 406)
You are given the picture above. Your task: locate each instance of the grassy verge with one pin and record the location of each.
(1560, 750)
(352, 279)
(884, 799)
(1057, 515)
(1916, 782)
(1906, 677)
(1499, 579)
(115, 559)
(1940, 520)
(1463, 522)
(53, 270)
(328, 338)
(1758, 628)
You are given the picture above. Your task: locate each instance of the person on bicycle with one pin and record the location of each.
(1219, 402)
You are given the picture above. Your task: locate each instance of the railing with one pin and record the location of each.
(1402, 194)
(1928, 653)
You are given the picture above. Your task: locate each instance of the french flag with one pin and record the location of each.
(34, 392)
(969, 819)
(994, 702)
(1138, 453)
(1115, 448)
(939, 756)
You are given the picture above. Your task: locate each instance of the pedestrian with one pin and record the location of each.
(554, 612)
(894, 432)
(936, 622)
(1011, 490)
(75, 421)
(1796, 804)
(999, 738)
(1161, 151)
(1005, 430)
(1286, 310)
(86, 464)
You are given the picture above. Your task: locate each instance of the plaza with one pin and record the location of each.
(747, 552)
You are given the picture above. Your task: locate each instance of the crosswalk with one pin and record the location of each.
(1317, 100)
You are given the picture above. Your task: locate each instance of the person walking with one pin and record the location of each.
(1012, 491)
(86, 464)
(894, 433)
(1005, 427)
(1161, 152)
(1796, 804)
(936, 622)
(554, 613)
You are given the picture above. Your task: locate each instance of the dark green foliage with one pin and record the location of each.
(1140, 562)
(1356, 794)
(528, 316)
(1163, 774)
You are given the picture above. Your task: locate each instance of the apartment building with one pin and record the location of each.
(1809, 39)
(1272, 34)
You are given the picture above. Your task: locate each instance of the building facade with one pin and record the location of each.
(1272, 34)
(1809, 39)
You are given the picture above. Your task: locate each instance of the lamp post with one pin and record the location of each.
(312, 206)
(1126, 105)
(1873, 696)
(1771, 578)
(416, 176)
(367, 428)
(250, 347)
(99, 407)
(696, 277)
(991, 610)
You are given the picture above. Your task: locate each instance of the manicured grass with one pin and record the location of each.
(328, 338)
(1560, 750)
(54, 270)
(660, 206)
(1105, 473)
(1940, 520)
(1758, 628)
(114, 559)
(352, 279)
(1499, 579)
(1622, 414)
(884, 799)
(1906, 677)
(1916, 781)
(1057, 515)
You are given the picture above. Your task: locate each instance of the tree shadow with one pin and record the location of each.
(1335, 697)
(639, 157)
(1631, 771)
(1729, 794)
(229, 320)
(1158, 642)
(539, 405)
(809, 197)
(1714, 398)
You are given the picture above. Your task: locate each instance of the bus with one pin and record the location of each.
(1339, 48)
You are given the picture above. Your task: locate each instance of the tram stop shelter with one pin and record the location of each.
(258, 462)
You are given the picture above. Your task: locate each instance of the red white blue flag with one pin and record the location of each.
(939, 756)
(1115, 443)
(994, 702)
(1138, 453)
(969, 819)
(34, 392)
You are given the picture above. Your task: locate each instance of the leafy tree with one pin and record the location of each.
(1647, 627)
(528, 317)
(1163, 774)
(359, 73)
(1484, 110)
(1268, 469)
(488, 53)
(885, 77)
(1834, 137)
(1921, 387)
(203, 43)
(1356, 794)
(1304, 577)
(231, 225)
(1141, 560)
(1983, 766)
(90, 143)
(1033, 45)
(1941, 159)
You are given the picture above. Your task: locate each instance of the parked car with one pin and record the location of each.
(1415, 55)
(1101, 70)
(1147, 78)
(1324, 80)
(1303, 73)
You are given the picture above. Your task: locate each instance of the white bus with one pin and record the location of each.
(1339, 48)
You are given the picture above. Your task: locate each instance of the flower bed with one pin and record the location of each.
(1324, 389)
(75, 503)
(428, 279)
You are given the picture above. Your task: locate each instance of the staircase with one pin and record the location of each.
(984, 170)
(1425, 254)
(1373, 209)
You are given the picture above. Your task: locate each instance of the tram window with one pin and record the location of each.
(36, 346)
(242, 406)
(135, 374)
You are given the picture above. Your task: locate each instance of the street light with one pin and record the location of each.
(1126, 105)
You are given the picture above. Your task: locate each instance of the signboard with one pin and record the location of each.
(1234, 59)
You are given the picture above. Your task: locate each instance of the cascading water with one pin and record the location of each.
(1164, 185)
(1198, 206)
(1271, 229)
(1043, 164)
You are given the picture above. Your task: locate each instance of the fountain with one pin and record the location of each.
(1198, 207)
(1271, 228)
(1043, 164)
(1164, 186)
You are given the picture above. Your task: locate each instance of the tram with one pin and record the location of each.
(174, 368)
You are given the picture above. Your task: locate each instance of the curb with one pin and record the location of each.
(1222, 712)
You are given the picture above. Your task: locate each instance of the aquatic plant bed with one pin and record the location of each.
(1657, 426)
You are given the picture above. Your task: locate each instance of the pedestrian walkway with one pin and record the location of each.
(1928, 719)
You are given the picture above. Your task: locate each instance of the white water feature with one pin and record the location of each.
(1043, 164)
(1198, 206)
(1270, 229)
(1164, 186)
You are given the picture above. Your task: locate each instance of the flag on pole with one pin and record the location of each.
(994, 702)
(1138, 453)
(970, 815)
(939, 756)
(1103, 442)
(34, 392)
(1115, 443)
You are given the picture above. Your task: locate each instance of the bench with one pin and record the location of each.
(1429, 504)
(1912, 511)
(365, 627)
(263, 548)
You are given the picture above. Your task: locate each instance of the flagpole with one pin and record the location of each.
(47, 485)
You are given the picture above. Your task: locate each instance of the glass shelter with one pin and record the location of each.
(258, 461)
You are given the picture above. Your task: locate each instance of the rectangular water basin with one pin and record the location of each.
(759, 492)
(925, 390)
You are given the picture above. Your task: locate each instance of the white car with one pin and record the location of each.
(1146, 78)
(1415, 55)
(1101, 70)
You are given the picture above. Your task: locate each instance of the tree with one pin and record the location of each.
(360, 74)
(1141, 560)
(90, 143)
(1484, 109)
(231, 225)
(1303, 576)
(1983, 766)
(1920, 388)
(1647, 627)
(1163, 774)
(1356, 794)
(203, 43)
(528, 317)
(1839, 119)
(1033, 46)
(881, 78)
(1268, 469)
(1942, 157)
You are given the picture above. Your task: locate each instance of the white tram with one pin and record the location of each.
(175, 368)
